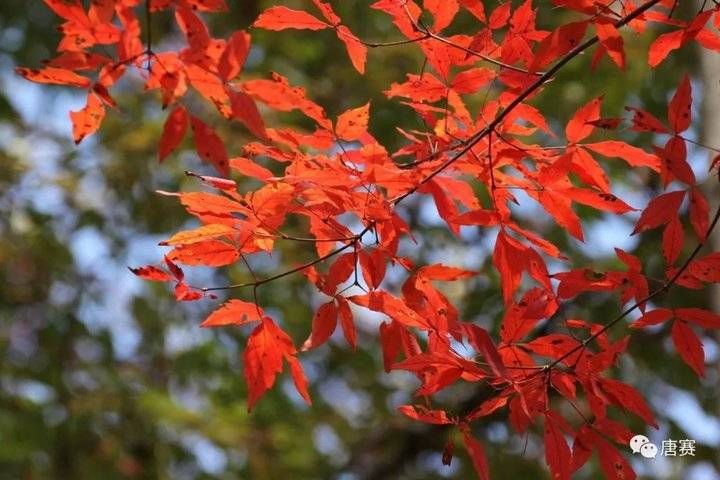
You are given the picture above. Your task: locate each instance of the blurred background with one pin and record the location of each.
(103, 376)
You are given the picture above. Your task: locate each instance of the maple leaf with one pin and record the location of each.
(234, 312)
(422, 414)
(661, 210)
(352, 124)
(209, 146)
(557, 452)
(280, 18)
(152, 273)
(266, 348)
(324, 324)
(689, 347)
(54, 75)
(477, 453)
(173, 132)
(87, 121)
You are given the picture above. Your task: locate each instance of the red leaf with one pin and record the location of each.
(674, 155)
(422, 414)
(211, 253)
(52, 75)
(699, 213)
(324, 324)
(87, 121)
(661, 210)
(209, 146)
(646, 122)
(483, 344)
(251, 169)
(280, 95)
(184, 293)
(393, 307)
(152, 273)
(511, 258)
(327, 12)
(611, 39)
(557, 453)
(443, 12)
(353, 123)
(635, 157)
(599, 200)
(679, 108)
(672, 241)
(263, 356)
(476, 451)
(558, 43)
(346, 321)
(444, 273)
(472, 80)
(209, 5)
(579, 125)
(663, 45)
(555, 346)
(689, 347)
(244, 109)
(485, 218)
(233, 57)
(559, 207)
(234, 312)
(173, 132)
(280, 18)
(475, 7)
(699, 317)
(500, 16)
(613, 464)
(628, 398)
(206, 232)
(356, 50)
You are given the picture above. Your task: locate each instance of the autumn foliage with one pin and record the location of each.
(344, 187)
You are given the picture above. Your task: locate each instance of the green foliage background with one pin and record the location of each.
(103, 376)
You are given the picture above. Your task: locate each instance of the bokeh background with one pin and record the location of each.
(103, 376)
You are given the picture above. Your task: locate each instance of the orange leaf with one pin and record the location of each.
(152, 273)
(352, 124)
(280, 18)
(206, 232)
(263, 356)
(234, 312)
(245, 110)
(58, 76)
(211, 253)
(233, 57)
(356, 50)
(87, 121)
